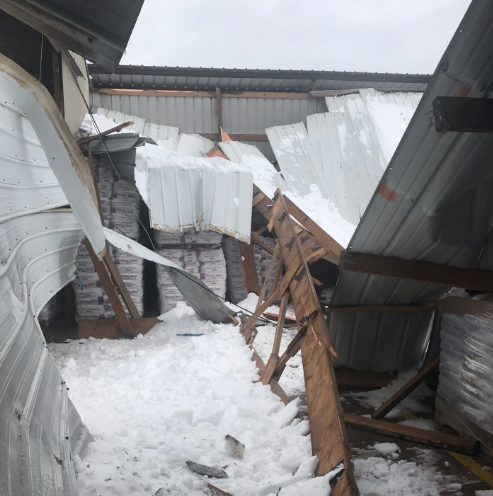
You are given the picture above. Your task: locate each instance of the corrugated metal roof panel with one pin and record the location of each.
(235, 150)
(355, 141)
(297, 159)
(99, 31)
(441, 211)
(190, 78)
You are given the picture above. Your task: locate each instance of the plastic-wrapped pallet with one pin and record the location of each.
(465, 391)
(236, 290)
(199, 253)
(120, 203)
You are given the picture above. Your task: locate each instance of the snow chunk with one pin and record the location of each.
(386, 449)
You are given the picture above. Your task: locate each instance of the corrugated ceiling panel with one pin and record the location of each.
(27, 182)
(441, 212)
(38, 254)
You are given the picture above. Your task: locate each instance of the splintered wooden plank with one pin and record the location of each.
(274, 385)
(462, 444)
(405, 390)
(111, 329)
(249, 269)
(267, 276)
(312, 248)
(327, 428)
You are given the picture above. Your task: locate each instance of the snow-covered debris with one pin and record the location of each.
(385, 449)
(155, 402)
(103, 124)
(373, 399)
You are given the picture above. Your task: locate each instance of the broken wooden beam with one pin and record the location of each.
(83, 141)
(463, 114)
(461, 444)
(111, 329)
(328, 432)
(416, 270)
(406, 390)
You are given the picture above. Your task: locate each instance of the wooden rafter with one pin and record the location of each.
(328, 434)
(249, 269)
(416, 270)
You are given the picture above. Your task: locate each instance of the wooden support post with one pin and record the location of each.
(462, 444)
(269, 272)
(107, 282)
(405, 390)
(328, 432)
(219, 112)
(120, 284)
(249, 269)
(416, 270)
(274, 357)
(96, 187)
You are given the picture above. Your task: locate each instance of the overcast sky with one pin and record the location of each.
(406, 36)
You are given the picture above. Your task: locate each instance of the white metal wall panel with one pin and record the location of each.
(235, 150)
(297, 159)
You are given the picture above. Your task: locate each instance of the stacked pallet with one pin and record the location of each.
(236, 290)
(120, 206)
(199, 253)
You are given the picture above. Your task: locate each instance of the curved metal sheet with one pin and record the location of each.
(23, 94)
(38, 424)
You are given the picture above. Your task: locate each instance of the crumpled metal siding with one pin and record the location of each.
(235, 150)
(38, 423)
(441, 212)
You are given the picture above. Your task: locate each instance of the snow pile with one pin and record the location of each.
(412, 404)
(386, 449)
(157, 401)
(385, 477)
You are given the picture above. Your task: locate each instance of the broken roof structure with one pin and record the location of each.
(432, 204)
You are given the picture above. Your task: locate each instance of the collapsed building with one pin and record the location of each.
(176, 187)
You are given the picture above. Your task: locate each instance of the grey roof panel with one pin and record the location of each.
(441, 210)
(99, 31)
(208, 79)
